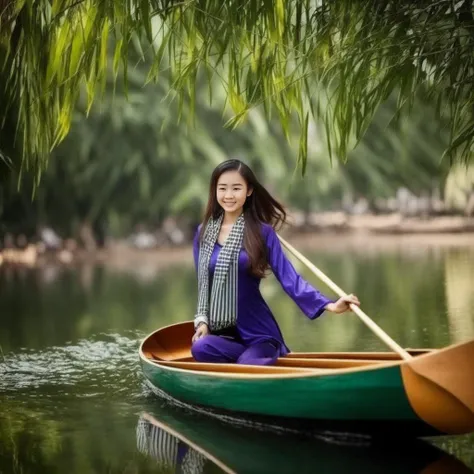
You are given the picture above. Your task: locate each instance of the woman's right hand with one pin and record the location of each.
(201, 331)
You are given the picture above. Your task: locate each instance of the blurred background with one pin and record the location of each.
(136, 168)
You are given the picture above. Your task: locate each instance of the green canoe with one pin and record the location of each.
(372, 392)
(183, 442)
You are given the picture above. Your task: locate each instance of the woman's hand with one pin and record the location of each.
(342, 304)
(201, 331)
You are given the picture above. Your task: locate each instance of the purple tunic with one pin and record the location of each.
(255, 321)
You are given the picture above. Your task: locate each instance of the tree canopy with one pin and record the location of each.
(128, 161)
(272, 53)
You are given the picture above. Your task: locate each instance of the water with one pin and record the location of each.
(72, 398)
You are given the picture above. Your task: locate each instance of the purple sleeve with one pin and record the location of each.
(308, 299)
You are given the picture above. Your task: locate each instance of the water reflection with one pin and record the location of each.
(186, 442)
(167, 447)
(459, 284)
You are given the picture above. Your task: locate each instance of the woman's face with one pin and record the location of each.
(232, 191)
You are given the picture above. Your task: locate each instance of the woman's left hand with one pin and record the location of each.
(342, 304)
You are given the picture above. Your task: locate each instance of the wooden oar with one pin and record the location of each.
(376, 329)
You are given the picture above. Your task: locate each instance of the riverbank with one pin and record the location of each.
(332, 232)
(393, 223)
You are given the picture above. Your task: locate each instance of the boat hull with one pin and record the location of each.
(430, 394)
(372, 402)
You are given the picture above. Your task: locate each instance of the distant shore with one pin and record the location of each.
(393, 223)
(332, 232)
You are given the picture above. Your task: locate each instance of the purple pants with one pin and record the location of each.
(213, 348)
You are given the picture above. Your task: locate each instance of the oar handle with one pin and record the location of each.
(374, 327)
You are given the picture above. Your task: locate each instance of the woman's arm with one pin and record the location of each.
(309, 299)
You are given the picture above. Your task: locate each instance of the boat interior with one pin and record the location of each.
(171, 346)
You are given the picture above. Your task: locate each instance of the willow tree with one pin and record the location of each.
(273, 53)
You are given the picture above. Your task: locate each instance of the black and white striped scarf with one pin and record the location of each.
(219, 311)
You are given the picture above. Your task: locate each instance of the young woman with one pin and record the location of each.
(234, 248)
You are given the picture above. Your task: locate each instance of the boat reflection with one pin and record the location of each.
(184, 442)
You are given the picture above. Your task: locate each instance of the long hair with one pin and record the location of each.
(260, 207)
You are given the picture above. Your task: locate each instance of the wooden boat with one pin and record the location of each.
(367, 392)
(177, 439)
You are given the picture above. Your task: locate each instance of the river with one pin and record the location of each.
(72, 397)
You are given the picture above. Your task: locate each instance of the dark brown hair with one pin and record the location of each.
(260, 207)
